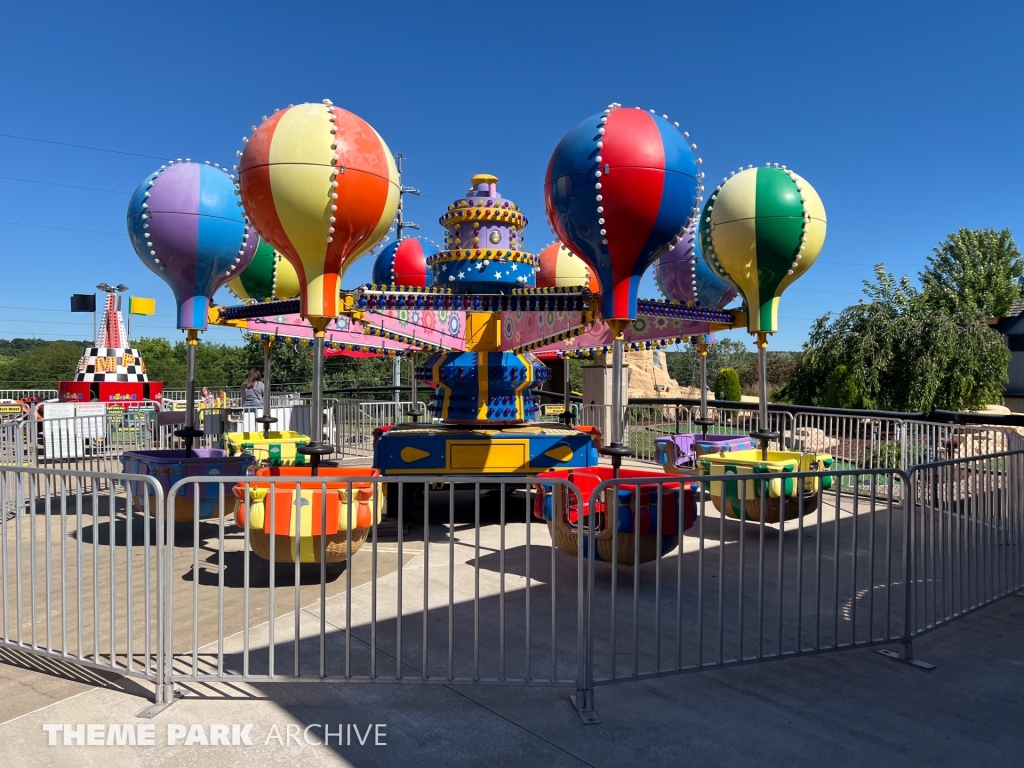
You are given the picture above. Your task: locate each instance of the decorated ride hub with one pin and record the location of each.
(111, 371)
(483, 394)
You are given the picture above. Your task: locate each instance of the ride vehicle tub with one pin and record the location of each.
(679, 454)
(637, 541)
(170, 466)
(350, 506)
(274, 448)
(778, 488)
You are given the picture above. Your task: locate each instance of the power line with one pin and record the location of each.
(54, 309)
(79, 146)
(69, 186)
(66, 229)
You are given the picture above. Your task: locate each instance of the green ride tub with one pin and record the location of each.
(747, 503)
(277, 449)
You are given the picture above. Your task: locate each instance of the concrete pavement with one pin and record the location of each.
(854, 708)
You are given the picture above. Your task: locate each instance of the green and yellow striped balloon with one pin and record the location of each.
(760, 230)
(268, 276)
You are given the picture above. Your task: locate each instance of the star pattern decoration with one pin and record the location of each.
(513, 266)
(497, 275)
(444, 267)
(462, 275)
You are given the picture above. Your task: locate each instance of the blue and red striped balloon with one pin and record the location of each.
(620, 190)
(404, 263)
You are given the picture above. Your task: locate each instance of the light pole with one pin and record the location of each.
(401, 224)
(119, 288)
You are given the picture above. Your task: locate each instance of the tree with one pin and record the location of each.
(727, 385)
(841, 390)
(903, 354)
(974, 270)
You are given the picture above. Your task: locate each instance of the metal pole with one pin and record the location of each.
(396, 377)
(190, 392)
(616, 422)
(415, 396)
(566, 399)
(317, 447)
(704, 421)
(764, 434)
(615, 448)
(317, 405)
(399, 222)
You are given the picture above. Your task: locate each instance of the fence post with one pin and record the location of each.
(584, 698)
(906, 641)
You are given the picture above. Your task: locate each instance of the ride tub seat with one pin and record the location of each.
(746, 502)
(170, 466)
(276, 449)
(636, 540)
(349, 505)
(679, 453)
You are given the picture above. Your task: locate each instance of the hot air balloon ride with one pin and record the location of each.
(620, 190)
(561, 268)
(321, 186)
(185, 225)
(682, 276)
(404, 263)
(760, 230)
(268, 277)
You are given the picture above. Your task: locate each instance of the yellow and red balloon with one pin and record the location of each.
(321, 186)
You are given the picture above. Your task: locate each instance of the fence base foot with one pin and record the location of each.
(155, 709)
(583, 702)
(901, 657)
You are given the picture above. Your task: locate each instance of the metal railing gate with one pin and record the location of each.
(257, 582)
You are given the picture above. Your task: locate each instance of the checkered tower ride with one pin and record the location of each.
(484, 255)
(111, 370)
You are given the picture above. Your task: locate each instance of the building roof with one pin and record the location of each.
(1005, 323)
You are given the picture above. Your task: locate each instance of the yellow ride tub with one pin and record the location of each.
(746, 503)
(276, 449)
(349, 505)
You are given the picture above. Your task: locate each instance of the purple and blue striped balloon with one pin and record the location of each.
(185, 224)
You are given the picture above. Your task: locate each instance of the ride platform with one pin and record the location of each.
(525, 449)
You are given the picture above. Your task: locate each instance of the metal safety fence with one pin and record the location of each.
(458, 588)
(81, 569)
(438, 579)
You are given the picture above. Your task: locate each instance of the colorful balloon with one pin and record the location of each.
(185, 224)
(320, 185)
(561, 268)
(268, 276)
(761, 230)
(681, 275)
(404, 263)
(620, 189)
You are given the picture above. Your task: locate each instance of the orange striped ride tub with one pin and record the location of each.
(349, 505)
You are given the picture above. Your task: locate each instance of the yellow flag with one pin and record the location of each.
(140, 306)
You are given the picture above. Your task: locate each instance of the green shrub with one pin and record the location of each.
(881, 456)
(727, 385)
(841, 390)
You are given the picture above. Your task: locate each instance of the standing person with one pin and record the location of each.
(252, 390)
(207, 397)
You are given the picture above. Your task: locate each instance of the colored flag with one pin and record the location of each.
(140, 306)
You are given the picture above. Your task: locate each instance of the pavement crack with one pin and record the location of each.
(521, 727)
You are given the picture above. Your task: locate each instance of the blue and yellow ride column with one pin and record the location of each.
(483, 396)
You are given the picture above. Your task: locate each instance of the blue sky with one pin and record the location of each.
(905, 116)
